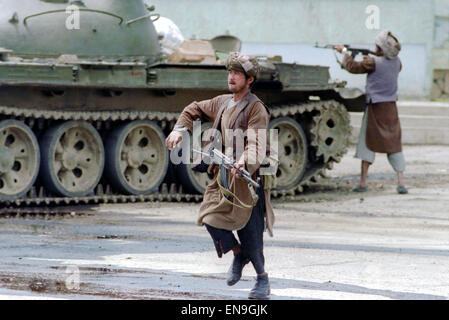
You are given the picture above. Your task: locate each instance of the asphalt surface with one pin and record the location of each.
(329, 243)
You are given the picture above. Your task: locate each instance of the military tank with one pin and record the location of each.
(87, 98)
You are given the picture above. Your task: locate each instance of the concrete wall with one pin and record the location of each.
(291, 28)
(440, 87)
(441, 51)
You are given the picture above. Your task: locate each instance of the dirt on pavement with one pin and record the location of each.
(329, 243)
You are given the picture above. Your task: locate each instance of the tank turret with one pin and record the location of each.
(108, 29)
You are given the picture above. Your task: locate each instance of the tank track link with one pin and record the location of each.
(163, 118)
(36, 200)
(41, 213)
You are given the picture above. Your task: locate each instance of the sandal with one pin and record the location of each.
(358, 188)
(402, 190)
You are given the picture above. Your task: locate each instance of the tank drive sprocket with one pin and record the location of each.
(331, 131)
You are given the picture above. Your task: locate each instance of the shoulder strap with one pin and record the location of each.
(216, 126)
(217, 122)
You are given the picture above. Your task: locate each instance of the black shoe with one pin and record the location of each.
(262, 288)
(235, 271)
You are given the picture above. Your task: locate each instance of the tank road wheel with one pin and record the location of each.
(331, 131)
(72, 158)
(137, 159)
(292, 152)
(19, 159)
(193, 181)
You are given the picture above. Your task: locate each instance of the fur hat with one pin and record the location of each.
(242, 63)
(389, 44)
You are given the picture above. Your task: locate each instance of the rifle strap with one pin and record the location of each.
(227, 194)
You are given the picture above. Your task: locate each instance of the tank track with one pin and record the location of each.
(314, 174)
(41, 200)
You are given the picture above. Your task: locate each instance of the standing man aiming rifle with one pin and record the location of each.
(240, 111)
(381, 129)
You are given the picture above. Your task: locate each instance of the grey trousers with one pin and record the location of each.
(396, 160)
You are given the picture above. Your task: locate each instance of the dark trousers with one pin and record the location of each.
(250, 236)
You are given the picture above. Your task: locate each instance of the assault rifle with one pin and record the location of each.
(354, 51)
(224, 161)
(227, 163)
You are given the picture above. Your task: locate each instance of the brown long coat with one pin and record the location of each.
(383, 130)
(214, 210)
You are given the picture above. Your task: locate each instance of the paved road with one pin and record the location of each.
(329, 243)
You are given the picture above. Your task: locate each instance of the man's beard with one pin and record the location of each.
(236, 89)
